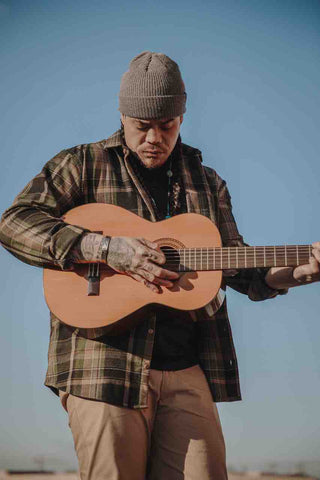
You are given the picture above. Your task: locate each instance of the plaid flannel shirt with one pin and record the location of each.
(89, 363)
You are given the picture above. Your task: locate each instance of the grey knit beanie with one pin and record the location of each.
(152, 88)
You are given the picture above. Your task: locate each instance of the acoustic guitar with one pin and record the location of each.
(93, 295)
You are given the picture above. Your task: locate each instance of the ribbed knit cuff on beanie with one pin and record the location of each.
(152, 88)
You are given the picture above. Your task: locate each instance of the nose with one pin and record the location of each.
(153, 135)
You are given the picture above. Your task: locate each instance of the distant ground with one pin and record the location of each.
(75, 476)
(39, 476)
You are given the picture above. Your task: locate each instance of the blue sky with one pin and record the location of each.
(252, 72)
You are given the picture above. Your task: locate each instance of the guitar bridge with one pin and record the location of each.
(93, 279)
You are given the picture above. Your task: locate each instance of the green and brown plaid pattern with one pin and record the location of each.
(89, 363)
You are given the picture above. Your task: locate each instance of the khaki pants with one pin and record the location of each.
(177, 437)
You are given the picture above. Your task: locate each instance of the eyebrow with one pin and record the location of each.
(146, 122)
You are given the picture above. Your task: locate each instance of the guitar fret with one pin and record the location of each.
(285, 255)
(297, 250)
(254, 257)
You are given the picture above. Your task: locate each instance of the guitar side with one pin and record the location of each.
(120, 295)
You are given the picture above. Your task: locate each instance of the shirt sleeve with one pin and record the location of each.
(32, 228)
(249, 281)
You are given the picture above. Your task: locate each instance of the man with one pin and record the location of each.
(141, 404)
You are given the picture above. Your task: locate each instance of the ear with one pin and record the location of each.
(181, 119)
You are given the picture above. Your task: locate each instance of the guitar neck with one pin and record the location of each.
(222, 258)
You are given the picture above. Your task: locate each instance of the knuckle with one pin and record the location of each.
(161, 259)
(157, 271)
(134, 263)
(140, 250)
(150, 277)
(148, 267)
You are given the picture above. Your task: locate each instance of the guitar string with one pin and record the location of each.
(216, 253)
(226, 253)
(213, 249)
(252, 255)
(229, 249)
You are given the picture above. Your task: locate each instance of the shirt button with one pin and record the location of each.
(150, 331)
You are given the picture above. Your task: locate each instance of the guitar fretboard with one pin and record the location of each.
(222, 258)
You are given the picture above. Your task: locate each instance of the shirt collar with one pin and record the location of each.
(115, 140)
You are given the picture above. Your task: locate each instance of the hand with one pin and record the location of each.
(141, 259)
(310, 272)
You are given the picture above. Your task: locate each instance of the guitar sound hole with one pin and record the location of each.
(173, 260)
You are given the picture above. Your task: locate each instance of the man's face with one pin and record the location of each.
(152, 140)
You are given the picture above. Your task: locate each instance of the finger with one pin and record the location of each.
(168, 274)
(155, 254)
(314, 265)
(160, 272)
(149, 272)
(316, 245)
(143, 280)
(301, 272)
(163, 283)
(316, 254)
(149, 244)
(308, 272)
(146, 275)
(156, 280)
(314, 271)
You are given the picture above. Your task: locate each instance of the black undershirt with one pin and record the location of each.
(175, 341)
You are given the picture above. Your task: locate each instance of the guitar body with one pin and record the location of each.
(120, 295)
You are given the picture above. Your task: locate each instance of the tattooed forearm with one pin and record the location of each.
(87, 249)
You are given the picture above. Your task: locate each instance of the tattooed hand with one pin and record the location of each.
(141, 259)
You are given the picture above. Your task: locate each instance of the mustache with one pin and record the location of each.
(154, 150)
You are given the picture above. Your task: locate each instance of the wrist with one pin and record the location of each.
(281, 278)
(306, 279)
(104, 249)
(87, 248)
